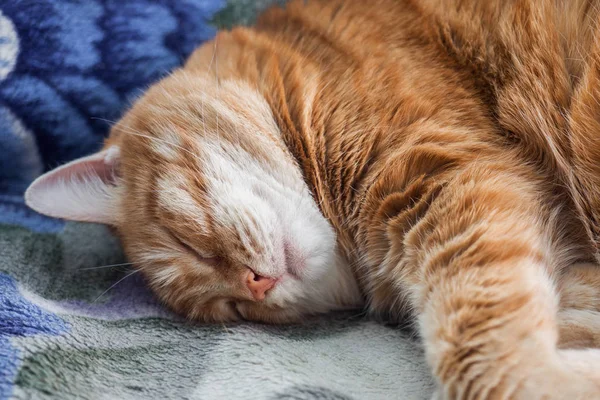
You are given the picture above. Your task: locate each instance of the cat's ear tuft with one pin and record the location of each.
(82, 190)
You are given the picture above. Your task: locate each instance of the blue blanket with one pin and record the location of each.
(69, 68)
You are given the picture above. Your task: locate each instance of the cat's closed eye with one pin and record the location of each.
(205, 257)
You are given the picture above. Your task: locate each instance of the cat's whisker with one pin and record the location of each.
(357, 315)
(105, 266)
(212, 59)
(115, 284)
(217, 83)
(203, 114)
(110, 121)
(213, 55)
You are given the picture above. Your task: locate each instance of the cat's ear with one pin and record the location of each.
(82, 190)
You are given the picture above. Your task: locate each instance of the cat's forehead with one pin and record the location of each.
(192, 115)
(200, 105)
(177, 194)
(237, 224)
(209, 149)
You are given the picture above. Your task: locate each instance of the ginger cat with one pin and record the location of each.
(436, 160)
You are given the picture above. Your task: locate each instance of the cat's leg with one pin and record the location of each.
(579, 315)
(477, 266)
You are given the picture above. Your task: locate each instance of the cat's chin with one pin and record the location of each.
(291, 315)
(326, 285)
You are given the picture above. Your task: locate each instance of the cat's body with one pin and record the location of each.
(436, 160)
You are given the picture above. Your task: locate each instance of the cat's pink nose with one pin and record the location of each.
(259, 285)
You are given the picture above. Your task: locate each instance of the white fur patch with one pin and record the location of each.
(268, 202)
(173, 195)
(165, 275)
(168, 145)
(249, 100)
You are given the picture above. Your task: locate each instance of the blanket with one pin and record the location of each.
(75, 322)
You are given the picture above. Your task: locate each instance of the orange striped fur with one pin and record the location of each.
(436, 160)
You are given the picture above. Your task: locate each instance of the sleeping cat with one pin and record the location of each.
(436, 160)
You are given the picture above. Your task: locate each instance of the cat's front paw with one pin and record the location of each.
(572, 375)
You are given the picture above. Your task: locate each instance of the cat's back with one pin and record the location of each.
(356, 87)
(379, 56)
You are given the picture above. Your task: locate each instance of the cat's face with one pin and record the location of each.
(210, 206)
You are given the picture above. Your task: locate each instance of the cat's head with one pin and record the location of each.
(210, 205)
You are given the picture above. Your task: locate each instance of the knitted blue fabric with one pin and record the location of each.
(67, 67)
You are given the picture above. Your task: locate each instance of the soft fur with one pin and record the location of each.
(434, 159)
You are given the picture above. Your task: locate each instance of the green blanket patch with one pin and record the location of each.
(116, 348)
